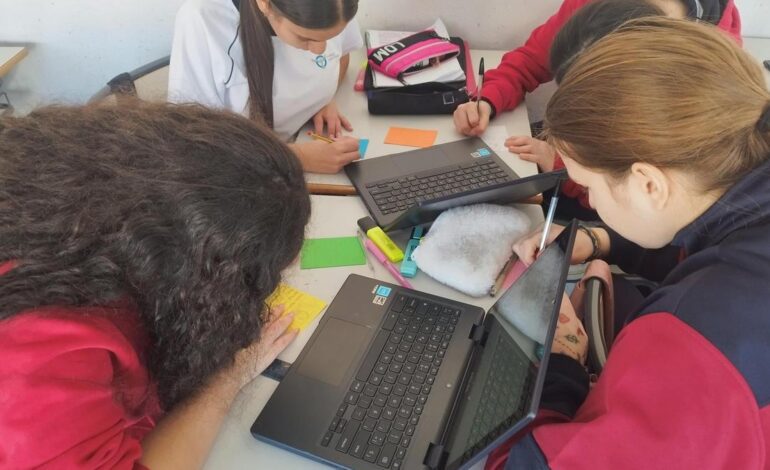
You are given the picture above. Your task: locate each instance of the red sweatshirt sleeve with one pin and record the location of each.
(69, 394)
(523, 69)
(667, 398)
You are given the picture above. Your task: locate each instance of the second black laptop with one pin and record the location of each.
(447, 175)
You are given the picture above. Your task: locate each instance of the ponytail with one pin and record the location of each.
(259, 58)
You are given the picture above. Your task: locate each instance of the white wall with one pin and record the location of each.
(77, 45)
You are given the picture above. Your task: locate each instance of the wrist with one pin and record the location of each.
(597, 250)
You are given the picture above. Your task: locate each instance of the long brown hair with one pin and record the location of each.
(190, 213)
(668, 92)
(255, 33)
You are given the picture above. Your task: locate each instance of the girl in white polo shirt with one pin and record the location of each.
(276, 60)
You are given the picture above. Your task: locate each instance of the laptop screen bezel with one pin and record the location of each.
(570, 232)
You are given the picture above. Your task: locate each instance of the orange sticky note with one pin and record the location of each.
(410, 137)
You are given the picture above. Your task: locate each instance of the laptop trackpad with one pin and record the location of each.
(334, 350)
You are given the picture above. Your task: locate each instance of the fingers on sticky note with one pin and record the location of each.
(303, 306)
(411, 137)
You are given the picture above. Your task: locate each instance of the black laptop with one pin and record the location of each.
(457, 173)
(395, 378)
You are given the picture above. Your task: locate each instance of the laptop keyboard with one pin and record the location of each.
(381, 410)
(399, 194)
(497, 400)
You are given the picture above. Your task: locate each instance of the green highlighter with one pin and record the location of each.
(331, 252)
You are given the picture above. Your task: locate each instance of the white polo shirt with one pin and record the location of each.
(207, 66)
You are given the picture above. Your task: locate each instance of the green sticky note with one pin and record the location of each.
(331, 252)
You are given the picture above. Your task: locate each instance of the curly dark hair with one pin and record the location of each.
(191, 213)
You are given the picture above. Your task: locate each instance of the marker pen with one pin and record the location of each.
(408, 266)
(383, 242)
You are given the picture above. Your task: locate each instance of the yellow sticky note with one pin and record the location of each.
(410, 137)
(304, 306)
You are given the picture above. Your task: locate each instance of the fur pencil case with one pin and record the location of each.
(467, 247)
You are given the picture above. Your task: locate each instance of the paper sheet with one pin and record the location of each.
(304, 306)
(495, 137)
(411, 137)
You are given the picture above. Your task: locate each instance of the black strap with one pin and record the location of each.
(237, 4)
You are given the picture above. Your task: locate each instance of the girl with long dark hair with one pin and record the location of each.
(137, 247)
(279, 61)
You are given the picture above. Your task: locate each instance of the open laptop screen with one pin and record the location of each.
(502, 389)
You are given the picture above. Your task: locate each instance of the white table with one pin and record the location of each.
(332, 216)
(353, 105)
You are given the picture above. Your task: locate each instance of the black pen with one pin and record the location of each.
(480, 87)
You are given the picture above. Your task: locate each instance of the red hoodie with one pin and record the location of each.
(525, 68)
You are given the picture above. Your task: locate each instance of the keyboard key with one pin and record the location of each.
(358, 448)
(380, 368)
(410, 430)
(374, 412)
(399, 424)
(371, 359)
(358, 414)
(396, 367)
(342, 409)
(351, 398)
(410, 400)
(389, 413)
(385, 389)
(375, 379)
(405, 441)
(341, 425)
(369, 424)
(383, 426)
(390, 321)
(347, 437)
(377, 439)
(380, 400)
(364, 402)
(327, 438)
(394, 401)
(334, 424)
(371, 454)
(399, 390)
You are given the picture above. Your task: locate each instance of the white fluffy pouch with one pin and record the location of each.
(467, 247)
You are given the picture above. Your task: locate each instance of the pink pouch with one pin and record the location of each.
(412, 54)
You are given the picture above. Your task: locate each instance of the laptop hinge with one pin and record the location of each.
(478, 334)
(435, 457)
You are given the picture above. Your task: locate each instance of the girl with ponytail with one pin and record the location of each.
(277, 61)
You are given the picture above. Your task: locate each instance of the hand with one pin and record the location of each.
(334, 121)
(570, 338)
(526, 248)
(532, 150)
(472, 118)
(274, 338)
(323, 157)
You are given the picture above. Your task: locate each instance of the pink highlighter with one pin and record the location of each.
(392, 269)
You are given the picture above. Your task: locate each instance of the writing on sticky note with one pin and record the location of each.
(304, 306)
(331, 252)
(363, 144)
(410, 137)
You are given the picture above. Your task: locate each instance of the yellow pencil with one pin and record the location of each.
(315, 136)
